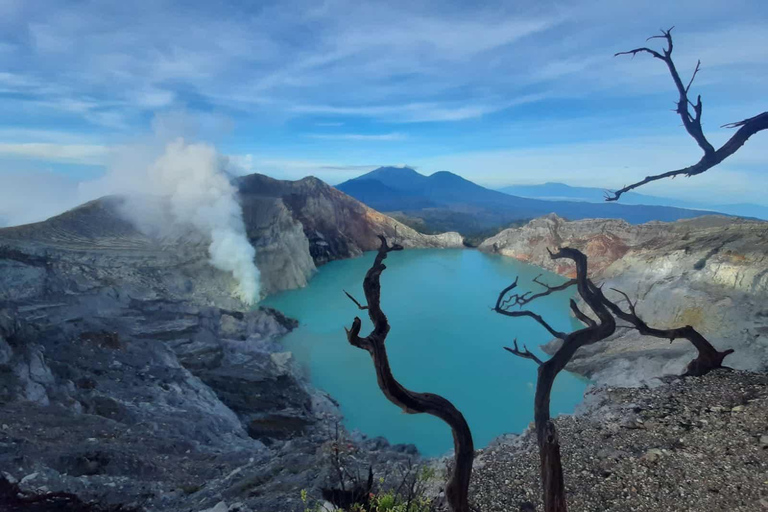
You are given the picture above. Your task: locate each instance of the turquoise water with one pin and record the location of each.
(444, 339)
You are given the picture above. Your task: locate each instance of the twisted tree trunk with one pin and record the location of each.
(606, 312)
(411, 402)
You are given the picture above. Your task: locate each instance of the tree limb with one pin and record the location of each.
(581, 316)
(525, 353)
(708, 358)
(516, 314)
(359, 306)
(692, 122)
(504, 303)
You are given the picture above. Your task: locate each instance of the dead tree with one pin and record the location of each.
(546, 434)
(411, 402)
(598, 326)
(692, 121)
(708, 358)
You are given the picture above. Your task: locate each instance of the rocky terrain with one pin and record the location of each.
(297, 225)
(708, 272)
(130, 375)
(696, 444)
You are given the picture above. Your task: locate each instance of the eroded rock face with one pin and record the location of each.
(129, 374)
(709, 272)
(336, 226)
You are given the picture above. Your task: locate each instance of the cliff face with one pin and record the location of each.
(709, 272)
(335, 225)
(129, 374)
(294, 226)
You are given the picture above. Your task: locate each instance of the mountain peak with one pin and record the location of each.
(391, 170)
(446, 175)
(401, 178)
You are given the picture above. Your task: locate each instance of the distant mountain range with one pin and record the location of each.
(445, 201)
(562, 192)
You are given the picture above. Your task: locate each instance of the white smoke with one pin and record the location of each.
(173, 189)
(177, 189)
(199, 193)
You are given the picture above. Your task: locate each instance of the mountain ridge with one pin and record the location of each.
(295, 227)
(447, 201)
(557, 191)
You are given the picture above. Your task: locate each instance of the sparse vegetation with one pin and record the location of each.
(349, 491)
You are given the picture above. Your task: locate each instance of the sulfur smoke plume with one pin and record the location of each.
(199, 194)
(180, 190)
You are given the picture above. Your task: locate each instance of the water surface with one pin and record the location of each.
(444, 339)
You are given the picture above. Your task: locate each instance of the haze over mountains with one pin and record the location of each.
(445, 201)
(561, 192)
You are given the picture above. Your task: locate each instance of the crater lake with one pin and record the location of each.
(444, 339)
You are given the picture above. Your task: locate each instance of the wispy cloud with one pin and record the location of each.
(70, 153)
(419, 112)
(443, 81)
(359, 136)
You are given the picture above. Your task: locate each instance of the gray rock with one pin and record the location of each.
(130, 375)
(709, 272)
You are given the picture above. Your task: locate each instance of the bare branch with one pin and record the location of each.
(359, 306)
(640, 50)
(520, 300)
(525, 353)
(752, 120)
(530, 314)
(708, 359)
(581, 316)
(629, 301)
(692, 123)
(695, 71)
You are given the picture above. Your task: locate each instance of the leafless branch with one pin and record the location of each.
(581, 316)
(708, 358)
(629, 301)
(505, 302)
(525, 353)
(695, 71)
(692, 122)
(359, 306)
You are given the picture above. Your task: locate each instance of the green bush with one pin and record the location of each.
(382, 502)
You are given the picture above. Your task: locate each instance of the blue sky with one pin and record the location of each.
(501, 93)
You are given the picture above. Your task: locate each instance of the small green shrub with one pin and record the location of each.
(382, 502)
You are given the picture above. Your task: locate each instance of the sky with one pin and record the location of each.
(500, 93)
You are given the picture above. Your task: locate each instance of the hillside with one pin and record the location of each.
(295, 226)
(710, 272)
(446, 201)
(562, 192)
(697, 444)
(130, 375)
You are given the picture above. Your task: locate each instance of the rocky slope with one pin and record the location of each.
(696, 444)
(130, 375)
(298, 225)
(709, 272)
